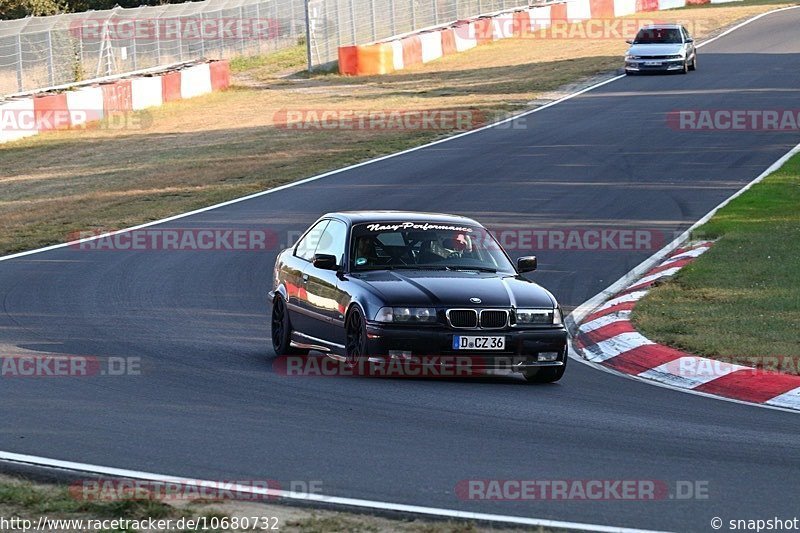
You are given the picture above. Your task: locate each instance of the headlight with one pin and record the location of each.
(406, 315)
(628, 58)
(538, 317)
(676, 56)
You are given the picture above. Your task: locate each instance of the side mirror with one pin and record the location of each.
(690, 40)
(325, 261)
(526, 264)
(629, 41)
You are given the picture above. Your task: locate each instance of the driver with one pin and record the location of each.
(366, 253)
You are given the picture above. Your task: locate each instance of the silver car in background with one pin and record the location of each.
(661, 48)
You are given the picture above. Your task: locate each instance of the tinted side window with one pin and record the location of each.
(332, 241)
(307, 246)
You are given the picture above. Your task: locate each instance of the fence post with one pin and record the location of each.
(19, 62)
(308, 36)
(50, 73)
(258, 25)
(392, 18)
(372, 20)
(435, 14)
(158, 40)
(413, 14)
(353, 22)
(180, 38)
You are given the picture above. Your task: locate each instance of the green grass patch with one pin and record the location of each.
(293, 58)
(741, 299)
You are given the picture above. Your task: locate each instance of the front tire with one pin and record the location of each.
(356, 337)
(685, 69)
(282, 330)
(693, 65)
(545, 374)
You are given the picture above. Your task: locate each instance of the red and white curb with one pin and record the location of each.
(607, 337)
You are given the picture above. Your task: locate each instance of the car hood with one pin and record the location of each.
(655, 49)
(454, 289)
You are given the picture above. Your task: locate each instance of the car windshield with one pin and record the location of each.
(658, 36)
(425, 245)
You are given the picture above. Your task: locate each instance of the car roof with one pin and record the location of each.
(360, 217)
(661, 27)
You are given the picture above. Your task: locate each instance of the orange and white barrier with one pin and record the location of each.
(397, 55)
(26, 116)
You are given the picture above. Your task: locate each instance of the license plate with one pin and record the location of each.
(652, 63)
(472, 342)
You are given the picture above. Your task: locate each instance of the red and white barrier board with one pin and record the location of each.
(26, 116)
(85, 105)
(539, 17)
(17, 119)
(195, 81)
(146, 92)
(429, 45)
(624, 7)
(578, 10)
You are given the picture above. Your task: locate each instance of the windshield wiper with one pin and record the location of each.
(467, 267)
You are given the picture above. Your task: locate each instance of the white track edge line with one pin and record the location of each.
(319, 498)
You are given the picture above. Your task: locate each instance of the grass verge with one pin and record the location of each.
(194, 153)
(740, 301)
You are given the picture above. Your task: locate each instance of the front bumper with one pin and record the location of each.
(663, 65)
(434, 346)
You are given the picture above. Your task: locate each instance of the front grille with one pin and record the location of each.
(463, 318)
(655, 58)
(474, 318)
(494, 319)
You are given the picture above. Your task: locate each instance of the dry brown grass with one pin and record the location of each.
(194, 153)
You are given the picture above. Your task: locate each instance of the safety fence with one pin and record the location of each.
(39, 52)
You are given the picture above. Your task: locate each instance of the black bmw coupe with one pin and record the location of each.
(400, 285)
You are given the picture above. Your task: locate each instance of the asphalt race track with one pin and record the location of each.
(209, 405)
